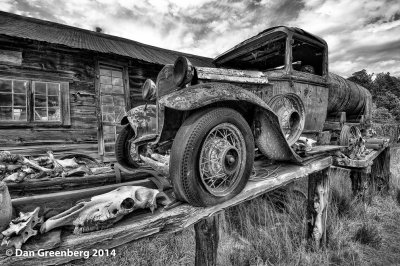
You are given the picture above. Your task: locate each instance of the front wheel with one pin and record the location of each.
(124, 148)
(211, 157)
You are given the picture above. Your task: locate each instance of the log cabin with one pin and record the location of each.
(65, 89)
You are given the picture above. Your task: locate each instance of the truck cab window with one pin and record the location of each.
(267, 56)
(307, 57)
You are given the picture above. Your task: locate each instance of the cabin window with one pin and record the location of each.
(307, 57)
(31, 101)
(46, 101)
(13, 103)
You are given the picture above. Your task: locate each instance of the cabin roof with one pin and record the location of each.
(264, 35)
(50, 32)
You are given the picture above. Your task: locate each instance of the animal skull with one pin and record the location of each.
(104, 210)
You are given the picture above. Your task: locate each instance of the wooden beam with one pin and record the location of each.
(135, 226)
(47, 185)
(207, 237)
(61, 201)
(367, 161)
(380, 171)
(317, 207)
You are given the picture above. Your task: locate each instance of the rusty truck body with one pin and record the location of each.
(263, 94)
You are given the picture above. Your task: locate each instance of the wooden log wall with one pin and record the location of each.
(138, 73)
(46, 62)
(49, 62)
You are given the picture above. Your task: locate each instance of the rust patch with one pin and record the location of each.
(143, 119)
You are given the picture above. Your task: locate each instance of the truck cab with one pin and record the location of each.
(294, 61)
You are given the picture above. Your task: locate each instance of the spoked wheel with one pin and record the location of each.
(349, 135)
(212, 157)
(291, 113)
(222, 158)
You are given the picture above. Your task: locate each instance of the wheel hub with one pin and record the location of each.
(230, 160)
(221, 159)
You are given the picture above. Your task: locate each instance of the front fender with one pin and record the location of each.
(143, 120)
(201, 95)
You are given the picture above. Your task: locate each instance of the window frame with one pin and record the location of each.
(108, 63)
(65, 120)
(12, 104)
(290, 68)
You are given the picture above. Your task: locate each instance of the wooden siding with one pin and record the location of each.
(138, 73)
(41, 62)
(78, 68)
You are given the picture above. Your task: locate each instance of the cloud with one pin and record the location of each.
(360, 34)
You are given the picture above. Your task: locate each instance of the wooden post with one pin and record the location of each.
(207, 237)
(380, 171)
(317, 207)
(360, 182)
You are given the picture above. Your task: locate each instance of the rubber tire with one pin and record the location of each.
(122, 148)
(186, 149)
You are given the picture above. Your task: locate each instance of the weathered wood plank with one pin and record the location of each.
(323, 148)
(173, 220)
(363, 163)
(40, 186)
(10, 57)
(380, 171)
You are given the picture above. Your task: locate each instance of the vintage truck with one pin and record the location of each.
(263, 94)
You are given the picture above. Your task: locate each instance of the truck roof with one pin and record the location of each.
(262, 36)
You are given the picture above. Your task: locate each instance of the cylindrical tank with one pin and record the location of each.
(349, 97)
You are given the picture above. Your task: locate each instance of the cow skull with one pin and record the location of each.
(104, 210)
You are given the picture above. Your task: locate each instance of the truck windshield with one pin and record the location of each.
(269, 55)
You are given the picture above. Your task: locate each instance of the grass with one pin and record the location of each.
(270, 230)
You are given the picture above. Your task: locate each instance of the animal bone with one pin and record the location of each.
(104, 210)
(11, 178)
(35, 165)
(19, 176)
(7, 157)
(159, 167)
(21, 228)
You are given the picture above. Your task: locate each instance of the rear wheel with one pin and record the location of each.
(123, 148)
(211, 157)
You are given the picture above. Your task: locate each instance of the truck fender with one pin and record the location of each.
(143, 120)
(268, 135)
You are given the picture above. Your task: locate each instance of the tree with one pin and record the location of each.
(362, 77)
(385, 91)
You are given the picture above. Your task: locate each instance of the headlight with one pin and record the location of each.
(149, 90)
(183, 71)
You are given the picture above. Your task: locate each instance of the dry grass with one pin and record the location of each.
(270, 230)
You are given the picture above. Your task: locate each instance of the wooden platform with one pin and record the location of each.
(363, 163)
(135, 226)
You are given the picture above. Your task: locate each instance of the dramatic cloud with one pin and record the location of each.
(360, 34)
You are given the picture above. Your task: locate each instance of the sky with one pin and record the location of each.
(361, 34)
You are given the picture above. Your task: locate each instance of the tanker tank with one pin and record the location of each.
(349, 97)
